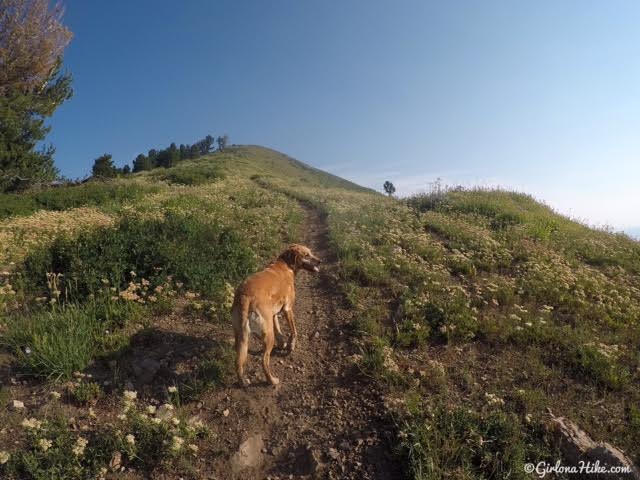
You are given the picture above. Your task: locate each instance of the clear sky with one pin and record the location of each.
(543, 96)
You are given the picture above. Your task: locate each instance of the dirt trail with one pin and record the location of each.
(323, 420)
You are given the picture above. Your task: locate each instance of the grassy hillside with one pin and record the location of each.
(475, 311)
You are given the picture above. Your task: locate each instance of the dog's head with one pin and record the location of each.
(298, 256)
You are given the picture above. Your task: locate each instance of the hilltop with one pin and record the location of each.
(442, 330)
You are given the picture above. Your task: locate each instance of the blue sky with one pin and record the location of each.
(542, 97)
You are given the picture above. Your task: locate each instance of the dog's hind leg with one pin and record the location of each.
(266, 359)
(281, 341)
(242, 350)
(288, 313)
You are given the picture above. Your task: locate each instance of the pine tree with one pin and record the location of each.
(103, 167)
(32, 40)
(142, 162)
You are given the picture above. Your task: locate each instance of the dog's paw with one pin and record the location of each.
(274, 381)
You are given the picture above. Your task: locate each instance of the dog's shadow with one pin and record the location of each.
(156, 358)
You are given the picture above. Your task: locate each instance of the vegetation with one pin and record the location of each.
(32, 41)
(103, 167)
(172, 155)
(475, 310)
(461, 293)
(389, 188)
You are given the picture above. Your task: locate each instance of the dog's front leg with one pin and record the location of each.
(288, 313)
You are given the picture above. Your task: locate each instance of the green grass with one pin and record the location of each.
(455, 442)
(58, 342)
(95, 193)
(189, 173)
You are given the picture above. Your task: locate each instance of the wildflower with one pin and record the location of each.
(45, 444)
(55, 395)
(493, 399)
(172, 389)
(130, 395)
(4, 457)
(175, 421)
(31, 423)
(193, 448)
(131, 440)
(151, 409)
(122, 416)
(177, 443)
(80, 445)
(157, 421)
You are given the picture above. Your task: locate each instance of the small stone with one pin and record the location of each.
(17, 405)
(225, 412)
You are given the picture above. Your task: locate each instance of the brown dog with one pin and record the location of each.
(260, 299)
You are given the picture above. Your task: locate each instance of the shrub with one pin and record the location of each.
(86, 393)
(53, 451)
(199, 254)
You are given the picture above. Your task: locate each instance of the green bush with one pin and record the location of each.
(201, 255)
(86, 393)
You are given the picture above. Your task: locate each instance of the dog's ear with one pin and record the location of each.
(290, 257)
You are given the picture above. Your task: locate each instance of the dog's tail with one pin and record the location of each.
(241, 319)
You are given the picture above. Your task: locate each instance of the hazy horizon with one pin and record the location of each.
(541, 98)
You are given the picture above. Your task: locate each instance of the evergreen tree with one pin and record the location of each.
(153, 157)
(126, 170)
(103, 167)
(142, 162)
(32, 40)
